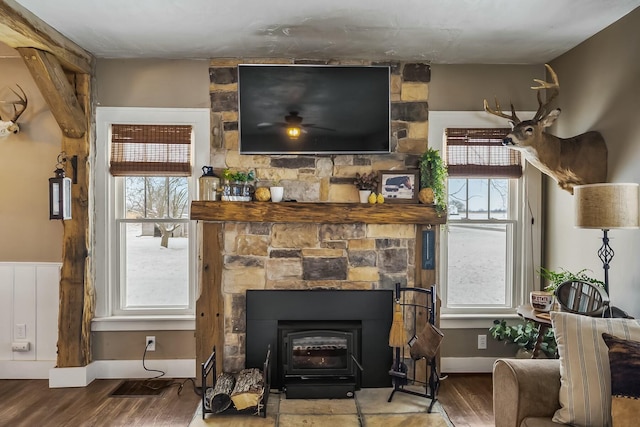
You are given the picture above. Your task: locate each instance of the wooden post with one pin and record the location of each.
(76, 288)
(210, 303)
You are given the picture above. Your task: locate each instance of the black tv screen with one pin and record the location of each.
(313, 109)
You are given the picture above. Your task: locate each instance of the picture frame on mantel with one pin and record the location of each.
(399, 186)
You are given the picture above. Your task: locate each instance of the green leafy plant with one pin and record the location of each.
(524, 335)
(433, 174)
(229, 175)
(366, 181)
(556, 278)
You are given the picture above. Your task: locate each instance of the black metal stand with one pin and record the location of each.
(605, 253)
(399, 372)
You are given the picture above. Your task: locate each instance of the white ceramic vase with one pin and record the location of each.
(277, 193)
(364, 195)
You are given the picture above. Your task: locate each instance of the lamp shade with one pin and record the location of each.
(606, 206)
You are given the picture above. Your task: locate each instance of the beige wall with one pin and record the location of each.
(130, 345)
(27, 161)
(464, 87)
(149, 83)
(600, 83)
(152, 83)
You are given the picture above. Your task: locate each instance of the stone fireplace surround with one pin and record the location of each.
(297, 246)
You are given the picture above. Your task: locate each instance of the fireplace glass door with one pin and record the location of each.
(319, 350)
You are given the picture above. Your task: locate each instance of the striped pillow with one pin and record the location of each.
(585, 387)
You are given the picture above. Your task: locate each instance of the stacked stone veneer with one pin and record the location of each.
(306, 256)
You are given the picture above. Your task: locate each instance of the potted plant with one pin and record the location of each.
(556, 278)
(525, 336)
(366, 184)
(433, 174)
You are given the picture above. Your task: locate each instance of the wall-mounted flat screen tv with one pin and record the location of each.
(313, 109)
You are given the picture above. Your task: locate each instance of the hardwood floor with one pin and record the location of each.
(31, 403)
(467, 398)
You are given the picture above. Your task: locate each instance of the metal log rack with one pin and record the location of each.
(400, 374)
(208, 370)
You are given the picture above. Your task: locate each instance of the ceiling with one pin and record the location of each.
(436, 31)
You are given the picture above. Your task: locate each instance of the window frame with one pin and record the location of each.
(106, 256)
(513, 242)
(528, 205)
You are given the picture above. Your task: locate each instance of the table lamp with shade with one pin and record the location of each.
(606, 206)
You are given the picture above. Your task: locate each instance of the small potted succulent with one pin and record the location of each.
(366, 184)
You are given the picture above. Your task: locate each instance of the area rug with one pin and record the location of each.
(370, 408)
(140, 388)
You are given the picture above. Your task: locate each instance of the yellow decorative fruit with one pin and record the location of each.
(262, 194)
(380, 198)
(426, 196)
(372, 198)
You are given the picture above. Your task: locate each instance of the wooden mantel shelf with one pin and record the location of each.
(327, 213)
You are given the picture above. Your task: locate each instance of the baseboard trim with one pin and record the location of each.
(120, 369)
(467, 365)
(25, 369)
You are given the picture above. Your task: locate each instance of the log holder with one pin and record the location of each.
(209, 376)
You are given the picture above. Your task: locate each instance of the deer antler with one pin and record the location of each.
(554, 90)
(23, 102)
(498, 112)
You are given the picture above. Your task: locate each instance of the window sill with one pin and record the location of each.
(473, 321)
(144, 323)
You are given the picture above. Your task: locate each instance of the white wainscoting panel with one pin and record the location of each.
(29, 295)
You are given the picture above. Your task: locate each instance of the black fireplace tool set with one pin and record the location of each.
(415, 305)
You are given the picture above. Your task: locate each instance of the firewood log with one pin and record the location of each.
(218, 398)
(249, 389)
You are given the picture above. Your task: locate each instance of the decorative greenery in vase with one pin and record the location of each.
(366, 181)
(556, 278)
(524, 335)
(433, 174)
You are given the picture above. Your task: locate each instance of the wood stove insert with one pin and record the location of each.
(319, 360)
(356, 321)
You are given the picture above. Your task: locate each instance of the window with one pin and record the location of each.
(153, 242)
(491, 244)
(483, 177)
(145, 241)
(481, 239)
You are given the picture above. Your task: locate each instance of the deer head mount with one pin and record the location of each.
(579, 160)
(11, 126)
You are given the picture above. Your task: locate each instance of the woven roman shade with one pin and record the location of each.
(479, 153)
(150, 150)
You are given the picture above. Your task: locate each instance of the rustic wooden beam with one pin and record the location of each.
(328, 213)
(21, 28)
(210, 303)
(56, 90)
(76, 287)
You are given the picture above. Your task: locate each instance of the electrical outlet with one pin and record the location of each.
(482, 342)
(20, 346)
(150, 343)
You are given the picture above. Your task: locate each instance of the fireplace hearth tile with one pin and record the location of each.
(374, 401)
(292, 420)
(318, 406)
(405, 420)
(234, 421)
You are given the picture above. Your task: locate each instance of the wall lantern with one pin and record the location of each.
(60, 189)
